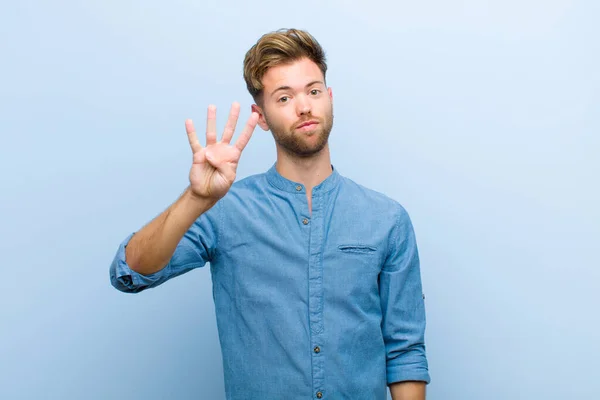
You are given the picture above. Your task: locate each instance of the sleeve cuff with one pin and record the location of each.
(123, 278)
(410, 372)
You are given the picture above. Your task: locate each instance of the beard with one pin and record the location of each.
(300, 144)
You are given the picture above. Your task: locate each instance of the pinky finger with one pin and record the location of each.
(192, 137)
(246, 134)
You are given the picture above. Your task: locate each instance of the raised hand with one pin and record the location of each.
(214, 166)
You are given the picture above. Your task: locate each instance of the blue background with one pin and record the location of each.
(481, 118)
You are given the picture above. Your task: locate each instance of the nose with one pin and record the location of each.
(303, 105)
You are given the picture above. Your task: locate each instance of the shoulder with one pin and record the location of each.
(248, 186)
(373, 200)
(244, 192)
(249, 181)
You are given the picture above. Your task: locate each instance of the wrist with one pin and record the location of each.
(196, 202)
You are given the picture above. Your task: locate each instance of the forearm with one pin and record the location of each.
(150, 249)
(408, 391)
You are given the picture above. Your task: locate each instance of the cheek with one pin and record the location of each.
(326, 110)
(283, 117)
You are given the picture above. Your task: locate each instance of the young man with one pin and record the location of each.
(316, 279)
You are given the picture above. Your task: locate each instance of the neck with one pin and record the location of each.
(309, 171)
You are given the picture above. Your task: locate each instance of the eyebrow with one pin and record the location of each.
(288, 87)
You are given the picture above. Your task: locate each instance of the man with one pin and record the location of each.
(316, 279)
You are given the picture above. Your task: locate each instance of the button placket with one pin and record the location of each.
(315, 287)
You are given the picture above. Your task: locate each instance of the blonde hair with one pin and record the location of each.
(280, 47)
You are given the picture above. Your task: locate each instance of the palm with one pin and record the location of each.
(214, 166)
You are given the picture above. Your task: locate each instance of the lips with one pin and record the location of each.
(307, 123)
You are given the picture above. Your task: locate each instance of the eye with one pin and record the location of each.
(315, 92)
(283, 99)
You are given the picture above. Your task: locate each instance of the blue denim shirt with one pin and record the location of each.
(321, 306)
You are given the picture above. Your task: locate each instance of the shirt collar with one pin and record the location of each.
(277, 180)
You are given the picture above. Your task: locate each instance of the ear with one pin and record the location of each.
(330, 93)
(262, 122)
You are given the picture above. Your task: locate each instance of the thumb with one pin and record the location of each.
(216, 162)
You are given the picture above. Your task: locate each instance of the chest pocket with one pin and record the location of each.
(357, 248)
(365, 257)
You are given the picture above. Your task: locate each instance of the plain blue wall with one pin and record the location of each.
(481, 118)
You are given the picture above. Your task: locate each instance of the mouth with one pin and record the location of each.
(307, 126)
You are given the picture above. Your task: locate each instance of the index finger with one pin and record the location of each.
(246, 134)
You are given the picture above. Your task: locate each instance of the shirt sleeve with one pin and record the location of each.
(196, 248)
(403, 307)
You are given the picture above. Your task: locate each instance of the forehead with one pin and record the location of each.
(295, 74)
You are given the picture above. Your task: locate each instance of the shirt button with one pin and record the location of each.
(298, 188)
(319, 395)
(305, 221)
(317, 349)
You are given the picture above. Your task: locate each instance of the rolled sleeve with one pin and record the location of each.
(196, 248)
(403, 306)
(123, 278)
